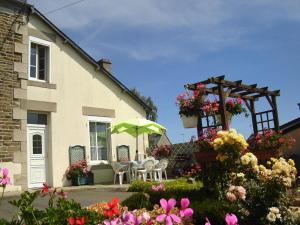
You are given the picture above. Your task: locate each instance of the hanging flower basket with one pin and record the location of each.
(189, 121)
(205, 156)
(228, 116)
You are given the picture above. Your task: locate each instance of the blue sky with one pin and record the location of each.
(158, 46)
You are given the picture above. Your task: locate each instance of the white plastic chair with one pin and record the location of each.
(148, 167)
(161, 168)
(119, 170)
(141, 156)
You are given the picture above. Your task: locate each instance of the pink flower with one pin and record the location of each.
(64, 194)
(185, 211)
(5, 179)
(207, 222)
(231, 197)
(160, 187)
(231, 219)
(168, 216)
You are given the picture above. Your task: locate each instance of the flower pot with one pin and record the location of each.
(80, 180)
(189, 121)
(266, 154)
(207, 156)
(90, 178)
(228, 115)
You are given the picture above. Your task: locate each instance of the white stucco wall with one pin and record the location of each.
(79, 84)
(14, 169)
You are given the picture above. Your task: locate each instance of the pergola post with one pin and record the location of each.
(222, 107)
(253, 116)
(275, 113)
(199, 126)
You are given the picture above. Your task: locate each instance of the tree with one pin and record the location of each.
(152, 115)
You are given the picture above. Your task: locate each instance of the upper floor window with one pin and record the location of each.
(39, 67)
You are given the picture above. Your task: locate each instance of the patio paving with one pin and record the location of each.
(86, 195)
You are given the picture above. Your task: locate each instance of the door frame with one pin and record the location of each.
(37, 127)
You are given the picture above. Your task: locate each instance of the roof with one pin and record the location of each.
(84, 54)
(290, 126)
(158, 139)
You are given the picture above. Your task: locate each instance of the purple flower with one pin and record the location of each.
(5, 179)
(131, 218)
(112, 222)
(168, 216)
(185, 211)
(231, 219)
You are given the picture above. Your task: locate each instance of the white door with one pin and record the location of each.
(37, 156)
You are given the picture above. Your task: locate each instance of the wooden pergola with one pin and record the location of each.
(222, 88)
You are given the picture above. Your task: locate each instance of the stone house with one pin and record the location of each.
(53, 95)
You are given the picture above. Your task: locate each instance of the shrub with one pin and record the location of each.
(162, 151)
(209, 208)
(59, 210)
(138, 201)
(177, 189)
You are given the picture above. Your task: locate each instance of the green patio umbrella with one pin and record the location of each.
(138, 126)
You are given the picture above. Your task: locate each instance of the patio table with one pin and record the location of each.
(136, 164)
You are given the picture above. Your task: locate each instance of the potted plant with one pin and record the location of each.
(189, 104)
(210, 107)
(270, 144)
(78, 173)
(206, 151)
(233, 107)
(163, 151)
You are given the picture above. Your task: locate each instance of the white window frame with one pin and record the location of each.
(106, 120)
(39, 41)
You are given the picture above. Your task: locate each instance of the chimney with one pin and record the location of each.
(106, 64)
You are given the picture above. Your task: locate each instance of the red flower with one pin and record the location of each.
(112, 208)
(45, 188)
(196, 93)
(200, 86)
(281, 140)
(77, 221)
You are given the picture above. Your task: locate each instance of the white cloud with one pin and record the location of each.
(168, 28)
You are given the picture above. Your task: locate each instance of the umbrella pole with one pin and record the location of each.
(137, 144)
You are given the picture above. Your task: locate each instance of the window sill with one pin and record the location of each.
(41, 84)
(100, 162)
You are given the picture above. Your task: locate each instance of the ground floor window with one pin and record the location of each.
(99, 140)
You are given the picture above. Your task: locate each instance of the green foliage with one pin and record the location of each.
(152, 115)
(210, 208)
(138, 201)
(173, 189)
(58, 211)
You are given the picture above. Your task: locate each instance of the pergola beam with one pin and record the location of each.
(236, 86)
(233, 95)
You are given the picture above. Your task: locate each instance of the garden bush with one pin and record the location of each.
(176, 189)
(209, 208)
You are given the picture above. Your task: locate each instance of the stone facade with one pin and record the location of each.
(13, 92)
